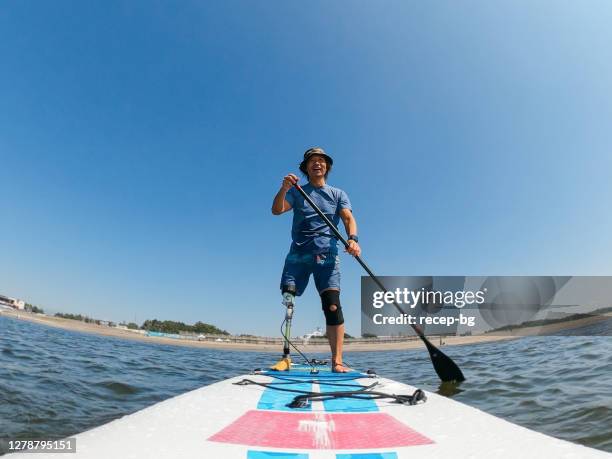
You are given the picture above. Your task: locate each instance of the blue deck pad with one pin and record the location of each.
(303, 371)
(274, 455)
(350, 405)
(346, 405)
(367, 456)
(272, 399)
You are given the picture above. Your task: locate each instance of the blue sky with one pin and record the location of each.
(141, 144)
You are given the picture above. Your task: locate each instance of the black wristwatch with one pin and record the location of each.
(353, 237)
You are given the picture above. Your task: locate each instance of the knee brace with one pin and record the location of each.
(328, 299)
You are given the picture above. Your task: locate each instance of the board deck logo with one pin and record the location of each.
(277, 429)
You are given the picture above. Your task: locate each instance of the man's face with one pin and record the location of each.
(316, 166)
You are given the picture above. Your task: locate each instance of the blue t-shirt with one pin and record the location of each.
(310, 233)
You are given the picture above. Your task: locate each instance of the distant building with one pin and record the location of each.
(12, 302)
(318, 333)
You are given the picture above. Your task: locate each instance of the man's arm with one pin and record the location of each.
(280, 204)
(350, 225)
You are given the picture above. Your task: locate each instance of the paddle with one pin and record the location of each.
(445, 367)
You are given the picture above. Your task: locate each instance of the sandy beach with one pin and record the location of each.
(408, 343)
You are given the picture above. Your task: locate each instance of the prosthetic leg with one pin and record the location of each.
(284, 364)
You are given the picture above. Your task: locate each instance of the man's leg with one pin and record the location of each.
(335, 335)
(294, 280)
(330, 299)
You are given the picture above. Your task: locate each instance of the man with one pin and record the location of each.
(314, 249)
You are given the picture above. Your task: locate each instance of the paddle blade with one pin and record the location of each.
(445, 367)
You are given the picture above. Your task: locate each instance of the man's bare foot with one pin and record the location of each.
(340, 368)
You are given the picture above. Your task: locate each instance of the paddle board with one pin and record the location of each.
(248, 417)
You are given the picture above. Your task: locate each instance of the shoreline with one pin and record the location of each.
(451, 340)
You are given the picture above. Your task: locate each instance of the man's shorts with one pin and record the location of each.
(324, 267)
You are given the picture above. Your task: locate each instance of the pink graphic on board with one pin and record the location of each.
(279, 429)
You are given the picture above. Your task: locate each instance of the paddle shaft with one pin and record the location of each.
(435, 354)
